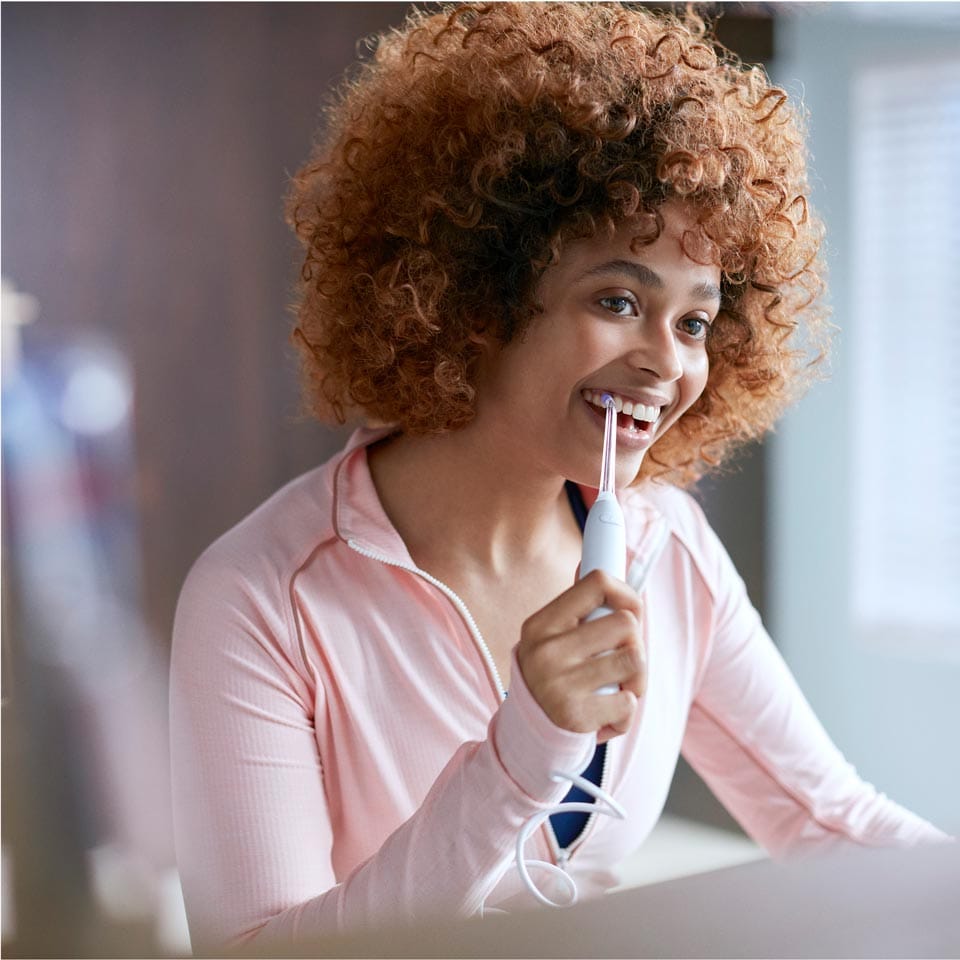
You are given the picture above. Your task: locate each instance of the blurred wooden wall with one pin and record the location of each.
(146, 150)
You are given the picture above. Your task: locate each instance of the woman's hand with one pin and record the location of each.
(565, 660)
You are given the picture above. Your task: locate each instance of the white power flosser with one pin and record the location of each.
(604, 535)
(604, 548)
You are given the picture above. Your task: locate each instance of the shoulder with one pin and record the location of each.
(237, 593)
(267, 546)
(684, 528)
(684, 516)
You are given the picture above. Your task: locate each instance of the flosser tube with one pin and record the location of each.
(604, 535)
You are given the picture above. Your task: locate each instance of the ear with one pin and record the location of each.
(489, 344)
(482, 337)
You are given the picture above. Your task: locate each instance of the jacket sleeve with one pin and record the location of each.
(754, 739)
(253, 832)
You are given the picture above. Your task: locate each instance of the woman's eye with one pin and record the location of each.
(695, 327)
(621, 306)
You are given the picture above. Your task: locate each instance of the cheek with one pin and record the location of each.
(695, 374)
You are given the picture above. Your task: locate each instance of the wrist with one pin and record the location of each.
(530, 745)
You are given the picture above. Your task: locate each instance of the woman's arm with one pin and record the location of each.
(253, 829)
(755, 740)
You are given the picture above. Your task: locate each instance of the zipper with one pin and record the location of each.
(458, 603)
(561, 855)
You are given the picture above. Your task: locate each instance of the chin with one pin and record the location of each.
(628, 469)
(628, 477)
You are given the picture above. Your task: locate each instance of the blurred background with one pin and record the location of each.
(150, 402)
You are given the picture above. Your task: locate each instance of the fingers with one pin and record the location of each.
(562, 653)
(623, 707)
(559, 626)
(609, 716)
(569, 692)
(622, 628)
(596, 589)
(566, 660)
(624, 666)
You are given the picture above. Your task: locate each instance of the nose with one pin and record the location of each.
(657, 352)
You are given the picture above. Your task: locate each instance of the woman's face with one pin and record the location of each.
(631, 324)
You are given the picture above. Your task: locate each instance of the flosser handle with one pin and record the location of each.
(604, 548)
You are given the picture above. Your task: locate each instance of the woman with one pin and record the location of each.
(515, 210)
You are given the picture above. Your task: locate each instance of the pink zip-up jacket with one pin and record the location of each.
(344, 756)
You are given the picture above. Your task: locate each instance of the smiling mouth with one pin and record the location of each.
(636, 417)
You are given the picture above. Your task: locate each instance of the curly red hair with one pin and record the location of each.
(480, 140)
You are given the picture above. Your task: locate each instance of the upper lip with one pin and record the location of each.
(647, 399)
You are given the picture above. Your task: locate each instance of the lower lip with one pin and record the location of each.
(626, 438)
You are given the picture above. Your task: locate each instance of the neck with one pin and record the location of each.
(456, 499)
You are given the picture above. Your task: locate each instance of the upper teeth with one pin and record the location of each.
(639, 411)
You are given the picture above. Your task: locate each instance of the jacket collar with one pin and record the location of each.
(359, 517)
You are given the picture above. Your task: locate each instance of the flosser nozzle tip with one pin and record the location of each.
(607, 400)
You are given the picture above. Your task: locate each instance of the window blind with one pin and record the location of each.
(903, 349)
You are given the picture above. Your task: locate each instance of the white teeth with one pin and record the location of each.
(645, 413)
(640, 412)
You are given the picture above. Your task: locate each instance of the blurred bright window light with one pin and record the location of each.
(908, 12)
(904, 351)
(98, 393)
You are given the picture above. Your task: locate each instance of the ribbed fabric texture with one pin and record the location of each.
(342, 756)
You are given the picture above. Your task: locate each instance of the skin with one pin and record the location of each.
(484, 508)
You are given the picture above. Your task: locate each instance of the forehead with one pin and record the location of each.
(636, 251)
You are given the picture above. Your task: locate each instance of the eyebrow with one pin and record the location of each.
(649, 278)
